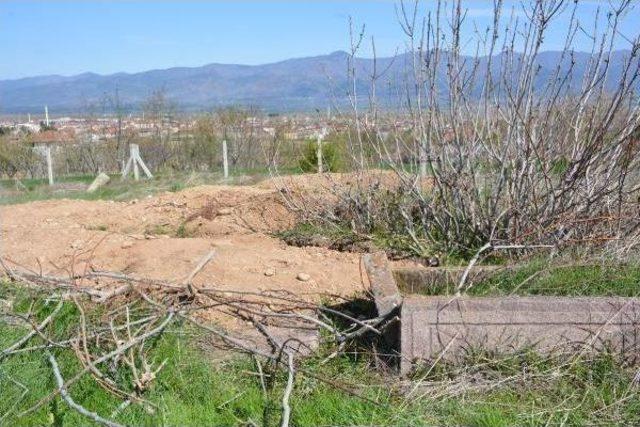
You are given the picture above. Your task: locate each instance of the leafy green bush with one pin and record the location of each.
(331, 158)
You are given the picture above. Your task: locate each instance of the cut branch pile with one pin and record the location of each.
(136, 311)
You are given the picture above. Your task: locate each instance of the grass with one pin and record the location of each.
(73, 187)
(197, 389)
(540, 277)
(183, 232)
(344, 239)
(157, 230)
(33, 183)
(306, 231)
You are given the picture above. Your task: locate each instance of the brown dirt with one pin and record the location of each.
(141, 237)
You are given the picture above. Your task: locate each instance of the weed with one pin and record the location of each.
(99, 227)
(183, 232)
(177, 186)
(157, 229)
(542, 277)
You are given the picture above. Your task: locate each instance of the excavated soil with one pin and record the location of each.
(164, 237)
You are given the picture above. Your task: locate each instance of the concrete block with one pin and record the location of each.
(445, 327)
(383, 285)
(98, 182)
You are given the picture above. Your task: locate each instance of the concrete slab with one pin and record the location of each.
(445, 327)
(383, 285)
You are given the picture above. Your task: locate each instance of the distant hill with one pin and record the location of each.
(294, 84)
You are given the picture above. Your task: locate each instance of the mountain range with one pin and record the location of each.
(291, 85)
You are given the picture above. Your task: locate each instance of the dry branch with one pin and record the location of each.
(62, 388)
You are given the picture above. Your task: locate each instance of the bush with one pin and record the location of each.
(331, 161)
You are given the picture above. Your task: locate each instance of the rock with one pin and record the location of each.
(269, 272)
(98, 182)
(303, 277)
(126, 245)
(225, 211)
(6, 305)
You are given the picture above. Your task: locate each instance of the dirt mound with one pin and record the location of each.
(315, 183)
(163, 237)
(225, 210)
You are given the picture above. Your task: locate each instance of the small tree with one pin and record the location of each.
(331, 161)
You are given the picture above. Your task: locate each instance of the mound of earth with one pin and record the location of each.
(164, 237)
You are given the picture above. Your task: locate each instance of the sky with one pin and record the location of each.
(72, 37)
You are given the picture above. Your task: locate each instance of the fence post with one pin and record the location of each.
(319, 154)
(136, 162)
(423, 157)
(49, 164)
(134, 150)
(225, 160)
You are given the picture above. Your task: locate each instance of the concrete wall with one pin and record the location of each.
(433, 327)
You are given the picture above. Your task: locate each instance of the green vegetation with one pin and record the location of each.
(340, 237)
(540, 277)
(99, 227)
(552, 278)
(182, 231)
(157, 229)
(332, 159)
(200, 387)
(307, 232)
(73, 187)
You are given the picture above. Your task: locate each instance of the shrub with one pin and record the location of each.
(331, 160)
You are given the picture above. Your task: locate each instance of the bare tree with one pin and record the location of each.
(493, 143)
(239, 128)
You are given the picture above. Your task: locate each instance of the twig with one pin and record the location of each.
(34, 331)
(203, 262)
(491, 247)
(286, 409)
(67, 398)
(118, 351)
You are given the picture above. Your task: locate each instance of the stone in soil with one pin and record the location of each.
(303, 277)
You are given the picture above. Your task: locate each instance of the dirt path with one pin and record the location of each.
(164, 237)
